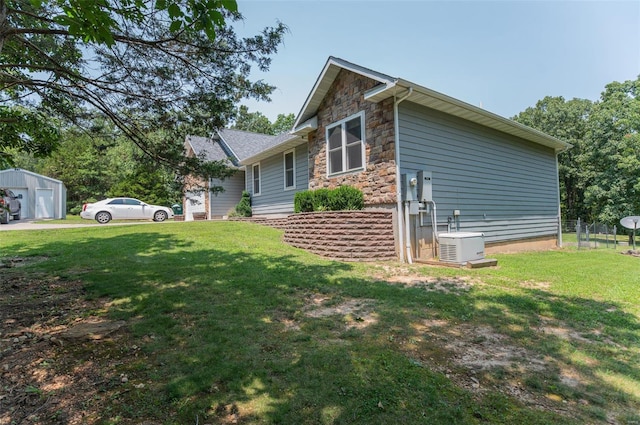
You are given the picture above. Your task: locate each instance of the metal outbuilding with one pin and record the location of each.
(41, 196)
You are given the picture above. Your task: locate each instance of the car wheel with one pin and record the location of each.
(4, 217)
(16, 216)
(160, 216)
(103, 217)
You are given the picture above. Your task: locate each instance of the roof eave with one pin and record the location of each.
(329, 73)
(306, 127)
(280, 147)
(449, 105)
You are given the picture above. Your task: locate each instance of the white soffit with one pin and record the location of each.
(306, 127)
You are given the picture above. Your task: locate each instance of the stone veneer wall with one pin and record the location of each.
(346, 98)
(344, 235)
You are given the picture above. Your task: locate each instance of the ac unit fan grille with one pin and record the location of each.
(448, 252)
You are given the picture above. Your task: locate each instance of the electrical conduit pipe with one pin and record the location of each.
(401, 230)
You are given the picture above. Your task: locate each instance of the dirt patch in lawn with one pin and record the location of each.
(58, 359)
(405, 277)
(631, 252)
(355, 312)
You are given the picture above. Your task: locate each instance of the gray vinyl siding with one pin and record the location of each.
(503, 186)
(224, 202)
(273, 198)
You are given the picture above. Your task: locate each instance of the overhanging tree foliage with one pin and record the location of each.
(147, 65)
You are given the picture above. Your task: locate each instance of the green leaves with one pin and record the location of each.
(167, 65)
(92, 21)
(207, 16)
(27, 131)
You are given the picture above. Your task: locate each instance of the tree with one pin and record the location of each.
(25, 130)
(96, 163)
(146, 65)
(258, 123)
(251, 121)
(283, 123)
(614, 156)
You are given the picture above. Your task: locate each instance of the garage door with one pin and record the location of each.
(23, 194)
(44, 203)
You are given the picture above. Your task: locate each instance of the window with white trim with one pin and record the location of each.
(256, 178)
(289, 169)
(345, 145)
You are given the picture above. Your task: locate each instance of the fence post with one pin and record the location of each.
(615, 236)
(578, 231)
(586, 233)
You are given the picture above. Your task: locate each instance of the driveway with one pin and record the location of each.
(32, 224)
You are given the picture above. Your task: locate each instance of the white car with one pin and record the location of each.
(124, 209)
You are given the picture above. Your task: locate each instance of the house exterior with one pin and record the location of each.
(437, 163)
(231, 147)
(40, 196)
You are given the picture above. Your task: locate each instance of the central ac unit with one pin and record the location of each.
(460, 247)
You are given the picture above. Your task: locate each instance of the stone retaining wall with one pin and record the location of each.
(278, 223)
(341, 235)
(344, 235)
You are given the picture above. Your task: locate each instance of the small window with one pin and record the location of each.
(118, 201)
(345, 145)
(256, 179)
(289, 170)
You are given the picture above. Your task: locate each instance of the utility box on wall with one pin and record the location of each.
(409, 187)
(424, 186)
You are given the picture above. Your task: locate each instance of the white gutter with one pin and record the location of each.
(396, 131)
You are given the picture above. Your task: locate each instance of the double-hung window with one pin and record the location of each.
(345, 145)
(256, 178)
(289, 170)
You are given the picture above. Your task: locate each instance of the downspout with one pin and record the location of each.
(401, 220)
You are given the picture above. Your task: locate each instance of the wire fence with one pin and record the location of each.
(597, 235)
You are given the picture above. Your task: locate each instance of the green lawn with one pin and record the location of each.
(233, 325)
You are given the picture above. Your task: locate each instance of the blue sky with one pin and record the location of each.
(501, 55)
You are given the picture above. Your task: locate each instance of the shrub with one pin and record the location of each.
(339, 199)
(243, 209)
(321, 200)
(346, 198)
(303, 201)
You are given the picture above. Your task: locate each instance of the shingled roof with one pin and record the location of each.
(234, 145)
(206, 147)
